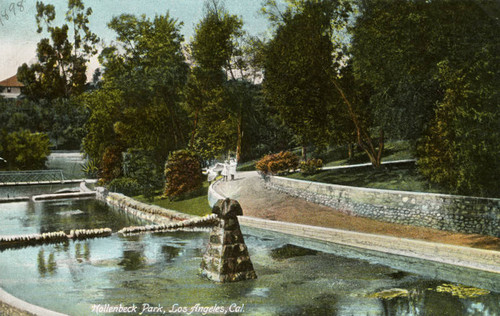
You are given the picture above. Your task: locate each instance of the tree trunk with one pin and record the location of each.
(240, 137)
(363, 137)
(349, 149)
(304, 153)
(191, 142)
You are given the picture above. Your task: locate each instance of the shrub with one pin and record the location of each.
(24, 150)
(182, 173)
(111, 164)
(140, 165)
(310, 166)
(124, 185)
(279, 163)
(90, 168)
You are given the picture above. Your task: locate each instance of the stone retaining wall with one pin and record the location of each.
(151, 213)
(440, 211)
(213, 195)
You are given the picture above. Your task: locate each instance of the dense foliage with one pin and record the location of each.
(182, 173)
(280, 163)
(23, 150)
(434, 76)
(311, 166)
(298, 61)
(332, 73)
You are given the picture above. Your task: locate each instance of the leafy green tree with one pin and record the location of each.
(62, 62)
(140, 166)
(104, 106)
(214, 45)
(148, 68)
(432, 68)
(23, 150)
(460, 150)
(216, 111)
(397, 46)
(298, 67)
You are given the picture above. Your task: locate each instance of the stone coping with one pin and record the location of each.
(56, 196)
(25, 306)
(213, 194)
(368, 164)
(472, 258)
(340, 186)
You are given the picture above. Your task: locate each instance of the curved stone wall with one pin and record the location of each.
(440, 211)
(151, 213)
(213, 195)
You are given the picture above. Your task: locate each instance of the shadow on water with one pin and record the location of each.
(290, 251)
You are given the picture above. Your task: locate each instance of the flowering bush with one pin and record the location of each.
(279, 163)
(310, 166)
(182, 173)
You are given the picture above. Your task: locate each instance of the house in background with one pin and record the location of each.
(10, 87)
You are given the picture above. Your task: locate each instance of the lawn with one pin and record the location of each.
(393, 150)
(338, 155)
(194, 204)
(395, 178)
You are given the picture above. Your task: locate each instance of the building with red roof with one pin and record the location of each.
(10, 87)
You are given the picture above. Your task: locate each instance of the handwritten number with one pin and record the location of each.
(5, 15)
(12, 8)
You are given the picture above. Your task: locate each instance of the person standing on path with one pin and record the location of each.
(225, 170)
(232, 168)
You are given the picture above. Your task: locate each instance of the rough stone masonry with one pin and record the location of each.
(226, 258)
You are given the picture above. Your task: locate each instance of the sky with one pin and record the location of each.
(18, 37)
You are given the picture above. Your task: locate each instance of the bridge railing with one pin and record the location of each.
(31, 176)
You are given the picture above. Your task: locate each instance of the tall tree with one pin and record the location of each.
(62, 61)
(432, 68)
(147, 67)
(216, 56)
(298, 68)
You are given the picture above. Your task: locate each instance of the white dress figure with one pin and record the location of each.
(225, 170)
(232, 168)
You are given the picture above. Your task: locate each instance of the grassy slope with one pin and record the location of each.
(405, 179)
(195, 204)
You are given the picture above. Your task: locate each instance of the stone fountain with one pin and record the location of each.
(226, 258)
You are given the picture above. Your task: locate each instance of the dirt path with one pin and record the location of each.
(248, 188)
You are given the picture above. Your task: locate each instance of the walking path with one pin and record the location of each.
(257, 201)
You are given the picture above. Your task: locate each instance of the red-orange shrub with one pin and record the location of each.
(182, 173)
(281, 162)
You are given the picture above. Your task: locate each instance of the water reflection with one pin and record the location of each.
(169, 252)
(44, 267)
(61, 215)
(79, 256)
(132, 260)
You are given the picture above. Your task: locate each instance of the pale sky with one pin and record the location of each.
(18, 37)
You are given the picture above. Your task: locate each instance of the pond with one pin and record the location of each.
(295, 275)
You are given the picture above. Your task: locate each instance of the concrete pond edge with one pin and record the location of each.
(473, 258)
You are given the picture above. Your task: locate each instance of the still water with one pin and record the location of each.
(295, 276)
